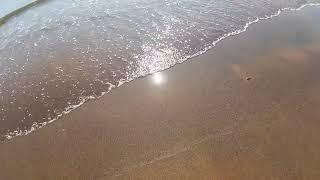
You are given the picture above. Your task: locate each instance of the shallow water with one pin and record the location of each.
(56, 55)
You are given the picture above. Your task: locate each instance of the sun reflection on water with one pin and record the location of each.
(158, 78)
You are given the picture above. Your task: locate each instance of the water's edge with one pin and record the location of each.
(36, 126)
(20, 10)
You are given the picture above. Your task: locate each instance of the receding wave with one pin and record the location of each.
(54, 58)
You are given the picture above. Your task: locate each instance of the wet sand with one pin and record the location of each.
(248, 109)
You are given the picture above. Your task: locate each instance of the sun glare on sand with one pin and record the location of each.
(158, 78)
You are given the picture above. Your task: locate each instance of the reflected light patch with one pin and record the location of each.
(158, 78)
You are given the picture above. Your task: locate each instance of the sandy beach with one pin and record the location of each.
(247, 109)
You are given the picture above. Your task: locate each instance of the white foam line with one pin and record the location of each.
(174, 153)
(245, 28)
(36, 126)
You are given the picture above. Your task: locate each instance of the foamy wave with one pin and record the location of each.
(244, 29)
(32, 3)
(36, 126)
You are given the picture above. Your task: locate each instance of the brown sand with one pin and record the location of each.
(248, 109)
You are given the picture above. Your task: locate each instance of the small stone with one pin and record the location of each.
(248, 78)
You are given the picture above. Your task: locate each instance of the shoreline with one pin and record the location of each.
(205, 119)
(36, 125)
(6, 16)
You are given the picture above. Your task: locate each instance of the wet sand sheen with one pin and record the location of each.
(55, 55)
(247, 109)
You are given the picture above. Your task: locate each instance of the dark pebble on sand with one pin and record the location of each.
(248, 78)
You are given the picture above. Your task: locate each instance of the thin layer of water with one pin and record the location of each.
(59, 54)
